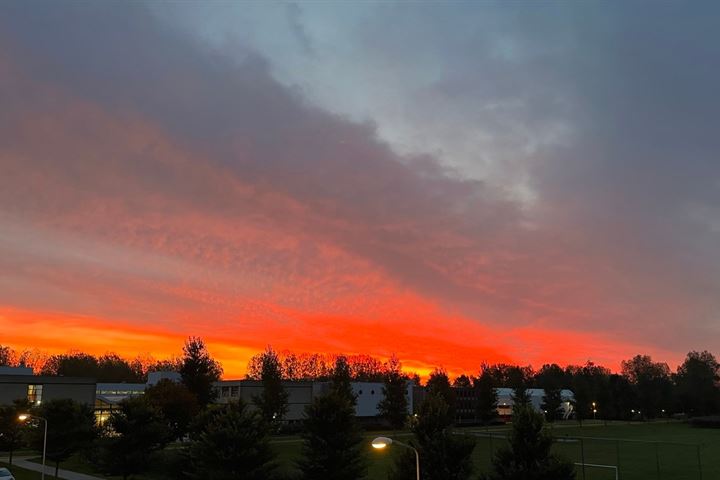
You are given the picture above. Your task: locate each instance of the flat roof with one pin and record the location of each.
(46, 379)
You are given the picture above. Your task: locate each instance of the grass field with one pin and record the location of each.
(630, 447)
(21, 473)
(641, 451)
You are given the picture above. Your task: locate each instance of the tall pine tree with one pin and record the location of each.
(273, 400)
(528, 455)
(333, 444)
(393, 406)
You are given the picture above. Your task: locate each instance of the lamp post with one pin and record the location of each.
(382, 442)
(24, 417)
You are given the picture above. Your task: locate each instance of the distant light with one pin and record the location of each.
(381, 442)
(23, 417)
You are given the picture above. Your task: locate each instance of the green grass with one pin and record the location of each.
(632, 447)
(21, 473)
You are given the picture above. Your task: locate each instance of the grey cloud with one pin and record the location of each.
(613, 197)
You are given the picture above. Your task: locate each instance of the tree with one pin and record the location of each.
(177, 405)
(439, 383)
(589, 384)
(114, 369)
(74, 364)
(443, 454)
(622, 398)
(133, 433)
(199, 370)
(230, 442)
(528, 455)
(393, 407)
(551, 379)
(333, 443)
(551, 402)
(486, 395)
(70, 427)
(340, 381)
(272, 402)
(463, 381)
(7, 356)
(652, 382)
(697, 384)
(11, 430)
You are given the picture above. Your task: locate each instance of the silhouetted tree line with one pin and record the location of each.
(232, 440)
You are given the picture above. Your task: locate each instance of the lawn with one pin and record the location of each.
(630, 447)
(21, 473)
(641, 451)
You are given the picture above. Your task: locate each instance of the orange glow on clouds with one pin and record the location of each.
(460, 347)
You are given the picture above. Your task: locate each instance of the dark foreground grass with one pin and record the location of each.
(21, 473)
(641, 451)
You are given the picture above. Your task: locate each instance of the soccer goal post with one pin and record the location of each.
(595, 465)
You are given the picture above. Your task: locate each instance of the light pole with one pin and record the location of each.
(382, 442)
(24, 417)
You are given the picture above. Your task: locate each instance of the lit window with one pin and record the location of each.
(34, 394)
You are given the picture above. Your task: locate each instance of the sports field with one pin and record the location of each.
(640, 451)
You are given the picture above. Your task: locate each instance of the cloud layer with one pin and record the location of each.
(555, 186)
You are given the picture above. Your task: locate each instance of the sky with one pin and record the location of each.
(453, 183)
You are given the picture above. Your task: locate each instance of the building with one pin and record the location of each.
(302, 393)
(109, 395)
(466, 400)
(19, 383)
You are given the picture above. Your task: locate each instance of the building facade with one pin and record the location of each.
(37, 389)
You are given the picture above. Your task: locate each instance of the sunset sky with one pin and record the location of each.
(454, 183)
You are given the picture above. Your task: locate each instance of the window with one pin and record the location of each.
(34, 394)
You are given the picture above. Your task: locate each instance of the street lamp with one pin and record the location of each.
(25, 416)
(594, 410)
(382, 442)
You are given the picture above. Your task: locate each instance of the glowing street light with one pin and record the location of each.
(24, 416)
(381, 442)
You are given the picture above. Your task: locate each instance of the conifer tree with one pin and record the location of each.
(230, 442)
(272, 402)
(443, 454)
(487, 398)
(394, 404)
(528, 455)
(332, 440)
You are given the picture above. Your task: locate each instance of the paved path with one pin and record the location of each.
(23, 462)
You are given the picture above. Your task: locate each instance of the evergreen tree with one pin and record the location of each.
(340, 380)
(528, 455)
(520, 397)
(443, 454)
(199, 370)
(439, 383)
(393, 407)
(230, 442)
(552, 400)
(551, 379)
(272, 402)
(134, 433)
(487, 398)
(70, 427)
(333, 440)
